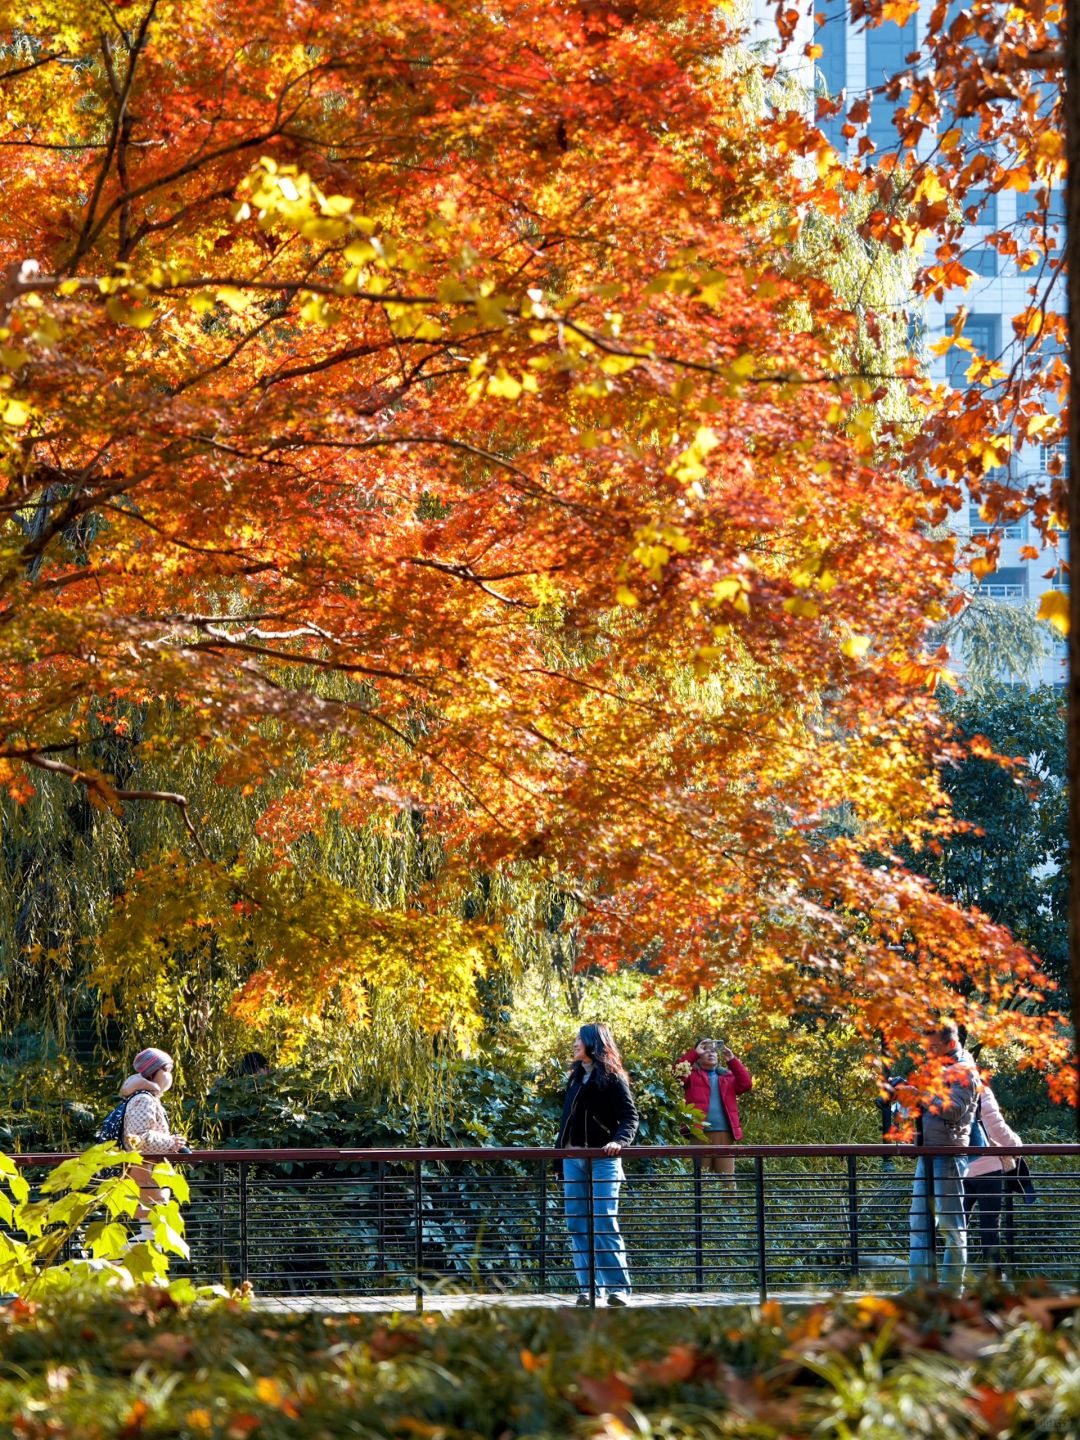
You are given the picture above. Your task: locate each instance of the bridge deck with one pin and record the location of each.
(455, 1303)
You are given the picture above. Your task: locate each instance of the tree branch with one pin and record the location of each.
(97, 784)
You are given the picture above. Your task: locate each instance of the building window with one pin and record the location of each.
(984, 260)
(1008, 529)
(1048, 453)
(983, 204)
(984, 332)
(887, 49)
(830, 32)
(1008, 583)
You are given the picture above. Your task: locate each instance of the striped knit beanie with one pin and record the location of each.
(148, 1062)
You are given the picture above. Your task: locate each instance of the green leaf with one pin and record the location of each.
(144, 1262)
(71, 1209)
(31, 1217)
(169, 1178)
(120, 1196)
(106, 1239)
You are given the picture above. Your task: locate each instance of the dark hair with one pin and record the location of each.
(602, 1051)
(253, 1063)
(947, 1033)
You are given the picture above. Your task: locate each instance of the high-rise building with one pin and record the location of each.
(858, 62)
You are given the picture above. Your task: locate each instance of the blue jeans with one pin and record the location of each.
(608, 1247)
(945, 1211)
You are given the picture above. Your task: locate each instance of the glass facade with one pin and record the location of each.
(984, 332)
(860, 62)
(830, 32)
(887, 49)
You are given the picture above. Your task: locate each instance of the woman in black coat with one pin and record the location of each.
(598, 1114)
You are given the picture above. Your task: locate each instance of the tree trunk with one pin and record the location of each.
(1072, 262)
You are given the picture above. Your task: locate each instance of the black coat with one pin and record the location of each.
(596, 1113)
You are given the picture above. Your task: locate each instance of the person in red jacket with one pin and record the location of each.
(712, 1079)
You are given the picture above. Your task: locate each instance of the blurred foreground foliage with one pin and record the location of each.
(147, 1365)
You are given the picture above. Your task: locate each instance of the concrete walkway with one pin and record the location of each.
(446, 1303)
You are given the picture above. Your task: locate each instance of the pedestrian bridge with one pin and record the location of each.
(378, 1229)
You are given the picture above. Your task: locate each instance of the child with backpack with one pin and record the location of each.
(140, 1123)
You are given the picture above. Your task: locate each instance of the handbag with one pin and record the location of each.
(978, 1137)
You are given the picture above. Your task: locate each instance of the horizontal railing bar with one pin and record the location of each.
(543, 1152)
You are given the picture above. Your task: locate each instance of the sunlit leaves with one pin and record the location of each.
(1054, 608)
(465, 455)
(77, 1196)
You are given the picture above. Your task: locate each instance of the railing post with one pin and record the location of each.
(699, 1228)
(759, 1197)
(928, 1214)
(222, 1211)
(591, 1232)
(418, 1224)
(380, 1220)
(541, 1238)
(243, 1222)
(853, 1214)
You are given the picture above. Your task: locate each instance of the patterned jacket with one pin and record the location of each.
(146, 1126)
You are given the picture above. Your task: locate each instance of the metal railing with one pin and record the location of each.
(792, 1219)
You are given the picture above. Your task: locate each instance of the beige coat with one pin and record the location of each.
(146, 1126)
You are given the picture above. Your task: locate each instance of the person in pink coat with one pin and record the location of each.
(984, 1184)
(713, 1079)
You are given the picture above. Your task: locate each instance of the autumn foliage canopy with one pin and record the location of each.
(432, 413)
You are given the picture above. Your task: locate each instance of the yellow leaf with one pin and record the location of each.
(503, 384)
(625, 596)
(124, 312)
(1018, 179)
(15, 414)
(930, 189)
(855, 646)
(1054, 609)
(268, 1390)
(235, 299)
(729, 589)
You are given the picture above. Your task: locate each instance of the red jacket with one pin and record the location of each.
(737, 1083)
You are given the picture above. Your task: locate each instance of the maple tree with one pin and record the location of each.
(440, 411)
(984, 104)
